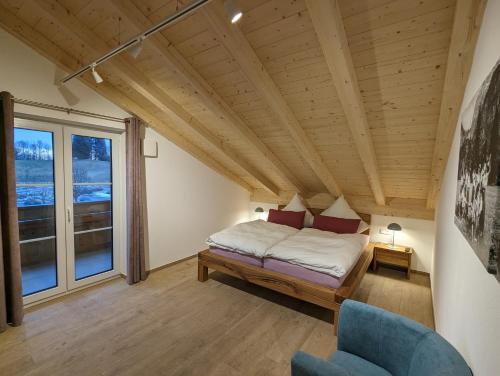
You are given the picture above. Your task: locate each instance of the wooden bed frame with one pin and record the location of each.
(298, 288)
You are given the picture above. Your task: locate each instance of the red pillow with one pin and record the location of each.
(288, 218)
(334, 224)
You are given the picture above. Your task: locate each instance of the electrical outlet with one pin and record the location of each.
(384, 231)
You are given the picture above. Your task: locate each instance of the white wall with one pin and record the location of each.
(467, 298)
(186, 202)
(416, 233)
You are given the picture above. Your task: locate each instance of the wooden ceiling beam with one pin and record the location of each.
(177, 63)
(39, 43)
(327, 21)
(148, 89)
(239, 48)
(466, 25)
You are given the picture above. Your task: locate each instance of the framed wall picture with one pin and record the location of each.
(477, 207)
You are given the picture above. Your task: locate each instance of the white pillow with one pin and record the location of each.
(341, 209)
(297, 205)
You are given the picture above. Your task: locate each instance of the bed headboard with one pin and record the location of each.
(365, 217)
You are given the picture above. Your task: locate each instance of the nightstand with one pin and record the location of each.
(398, 255)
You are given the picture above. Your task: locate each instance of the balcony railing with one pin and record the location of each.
(37, 229)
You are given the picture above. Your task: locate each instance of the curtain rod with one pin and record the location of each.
(68, 110)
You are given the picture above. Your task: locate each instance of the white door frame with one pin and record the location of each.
(59, 193)
(72, 283)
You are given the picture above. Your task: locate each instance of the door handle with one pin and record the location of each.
(68, 213)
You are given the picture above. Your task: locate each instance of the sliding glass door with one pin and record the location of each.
(67, 189)
(90, 205)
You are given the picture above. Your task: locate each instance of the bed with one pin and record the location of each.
(318, 288)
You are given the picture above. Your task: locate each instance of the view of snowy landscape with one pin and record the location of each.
(35, 168)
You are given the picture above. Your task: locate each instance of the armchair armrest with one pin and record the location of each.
(307, 365)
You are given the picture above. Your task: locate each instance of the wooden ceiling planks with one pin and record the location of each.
(235, 42)
(242, 100)
(235, 89)
(399, 50)
(200, 91)
(294, 60)
(467, 22)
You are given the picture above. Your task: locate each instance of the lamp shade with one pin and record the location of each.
(259, 210)
(394, 227)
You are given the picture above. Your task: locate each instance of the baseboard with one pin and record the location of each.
(171, 264)
(420, 272)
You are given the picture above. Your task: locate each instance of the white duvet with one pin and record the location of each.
(322, 251)
(251, 238)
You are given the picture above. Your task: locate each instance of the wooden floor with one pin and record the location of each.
(174, 325)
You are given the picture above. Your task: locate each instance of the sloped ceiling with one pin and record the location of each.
(269, 103)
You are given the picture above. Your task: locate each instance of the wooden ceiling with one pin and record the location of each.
(316, 96)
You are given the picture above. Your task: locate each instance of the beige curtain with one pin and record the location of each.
(136, 268)
(11, 300)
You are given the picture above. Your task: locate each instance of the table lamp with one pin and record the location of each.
(260, 212)
(394, 227)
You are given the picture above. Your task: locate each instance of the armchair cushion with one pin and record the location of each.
(356, 365)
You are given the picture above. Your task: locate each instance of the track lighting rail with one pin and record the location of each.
(137, 39)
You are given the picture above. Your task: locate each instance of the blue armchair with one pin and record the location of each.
(374, 342)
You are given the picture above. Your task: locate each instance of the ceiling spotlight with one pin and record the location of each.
(97, 77)
(234, 13)
(136, 48)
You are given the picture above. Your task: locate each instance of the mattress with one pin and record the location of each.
(248, 259)
(284, 267)
(300, 272)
